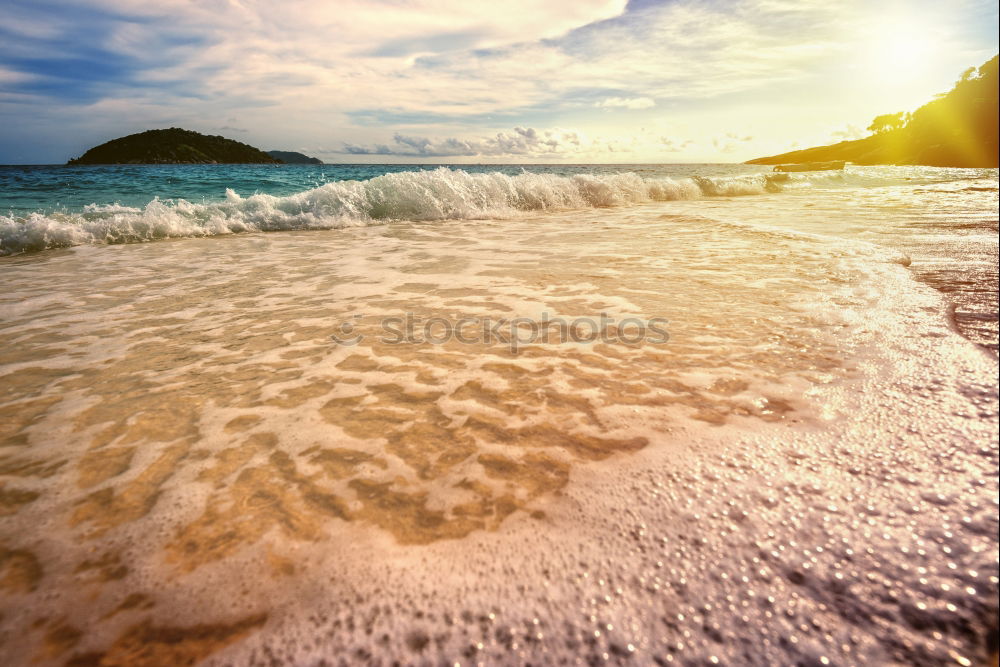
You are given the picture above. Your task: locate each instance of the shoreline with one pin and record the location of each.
(828, 422)
(632, 553)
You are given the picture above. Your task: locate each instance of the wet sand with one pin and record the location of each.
(193, 470)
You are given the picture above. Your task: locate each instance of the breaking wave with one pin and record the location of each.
(441, 194)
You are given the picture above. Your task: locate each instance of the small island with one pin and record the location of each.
(292, 157)
(174, 146)
(956, 129)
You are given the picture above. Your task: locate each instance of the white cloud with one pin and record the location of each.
(848, 133)
(450, 77)
(673, 145)
(626, 103)
(524, 143)
(12, 76)
(730, 141)
(521, 142)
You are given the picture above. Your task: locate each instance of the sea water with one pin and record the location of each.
(217, 444)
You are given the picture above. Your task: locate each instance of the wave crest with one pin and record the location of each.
(441, 194)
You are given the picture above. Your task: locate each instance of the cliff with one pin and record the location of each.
(956, 129)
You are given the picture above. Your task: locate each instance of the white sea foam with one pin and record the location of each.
(440, 194)
(842, 512)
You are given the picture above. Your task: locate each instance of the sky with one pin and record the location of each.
(462, 81)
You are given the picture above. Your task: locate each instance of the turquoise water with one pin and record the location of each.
(55, 206)
(945, 220)
(25, 189)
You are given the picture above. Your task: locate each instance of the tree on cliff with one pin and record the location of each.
(962, 122)
(888, 122)
(955, 129)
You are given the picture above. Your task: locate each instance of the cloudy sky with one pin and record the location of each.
(467, 81)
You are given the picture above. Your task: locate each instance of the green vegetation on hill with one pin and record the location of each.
(956, 129)
(174, 146)
(292, 157)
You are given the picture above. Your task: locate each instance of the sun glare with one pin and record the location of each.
(901, 51)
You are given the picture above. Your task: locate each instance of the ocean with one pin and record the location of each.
(690, 414)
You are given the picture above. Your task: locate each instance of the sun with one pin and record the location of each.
(901, 50)
(904, 51)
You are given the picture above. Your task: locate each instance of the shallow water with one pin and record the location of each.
(192, 467)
